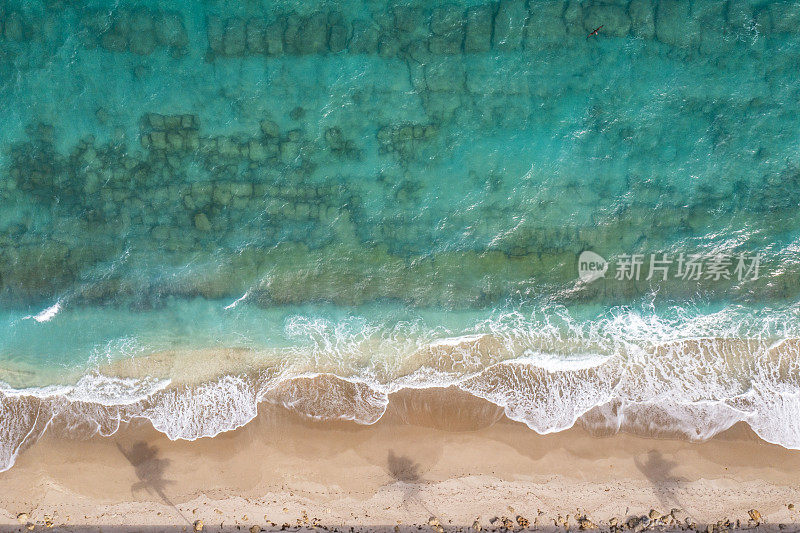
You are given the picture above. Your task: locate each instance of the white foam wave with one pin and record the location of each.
(455, 341)
(687, 374)
(545, 401)
(45, 315)
(328, 397)
(237, 301)
(555, 363)
(93, 388)
(23, 421)
(203, 411)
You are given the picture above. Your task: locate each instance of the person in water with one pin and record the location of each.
(597, 29)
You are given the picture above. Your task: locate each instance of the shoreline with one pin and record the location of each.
(602, 398)
(398, 471)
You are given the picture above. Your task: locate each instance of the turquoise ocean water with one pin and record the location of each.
(206, 206)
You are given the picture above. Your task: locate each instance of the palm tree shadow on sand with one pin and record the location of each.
(150, 469)
(403, 469)
(658, 470)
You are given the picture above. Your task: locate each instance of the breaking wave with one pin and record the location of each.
(679, 374)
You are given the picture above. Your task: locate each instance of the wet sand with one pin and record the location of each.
(457, 462)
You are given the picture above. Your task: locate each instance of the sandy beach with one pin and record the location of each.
(423, 470)
(399, 265)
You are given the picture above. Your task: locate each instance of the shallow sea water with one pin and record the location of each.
(205, 206)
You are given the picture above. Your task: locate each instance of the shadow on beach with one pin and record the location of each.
(150, 469)
(403, 469)
(658, 471)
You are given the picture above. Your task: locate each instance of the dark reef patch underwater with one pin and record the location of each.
(208, 205)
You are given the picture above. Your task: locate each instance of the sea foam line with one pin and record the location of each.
(547, 374)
